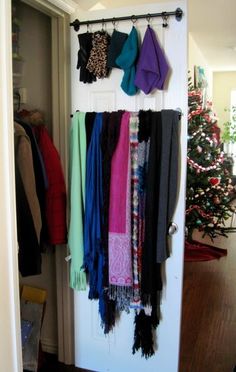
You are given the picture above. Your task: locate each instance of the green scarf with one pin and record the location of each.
(77, 169)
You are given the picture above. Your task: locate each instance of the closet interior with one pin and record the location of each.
(32, 92)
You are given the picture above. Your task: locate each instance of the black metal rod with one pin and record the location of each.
(178, 13)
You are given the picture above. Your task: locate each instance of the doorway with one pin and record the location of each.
(209, 301)
(41, 80)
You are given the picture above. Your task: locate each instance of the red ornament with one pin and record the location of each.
(214, 181)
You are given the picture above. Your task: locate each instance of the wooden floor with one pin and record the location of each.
(50, 364)
(208, 337)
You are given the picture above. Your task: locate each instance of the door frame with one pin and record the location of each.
(10, 340)
(59, 11)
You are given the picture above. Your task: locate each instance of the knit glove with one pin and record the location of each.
(85, 41)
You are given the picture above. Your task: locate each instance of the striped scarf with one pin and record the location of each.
(134, 203)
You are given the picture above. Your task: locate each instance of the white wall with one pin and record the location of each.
(35, 48)
(196, 58)
(223, 83)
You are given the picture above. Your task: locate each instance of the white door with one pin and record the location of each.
(93, 350)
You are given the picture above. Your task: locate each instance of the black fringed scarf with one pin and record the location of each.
(161, 194)
(109, 138)
(151, 281)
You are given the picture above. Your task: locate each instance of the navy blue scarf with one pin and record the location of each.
(93, 252)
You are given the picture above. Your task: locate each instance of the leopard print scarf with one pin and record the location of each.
(97, 62)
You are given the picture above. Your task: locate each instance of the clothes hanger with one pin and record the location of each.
(165, 20)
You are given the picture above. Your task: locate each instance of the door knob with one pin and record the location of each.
(173, 228)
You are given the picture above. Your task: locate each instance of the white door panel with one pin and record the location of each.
(113, 353)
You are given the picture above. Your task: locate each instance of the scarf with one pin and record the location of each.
(161, 192)
(151, 281)
(117, 42)
(77, 164)
(127, 61)
(109, 138)
(168, 180)
(120, 266)
(97, 62)
(152, 67)
(89, 122)
(134, 203)
(93, 255)
(150, 271)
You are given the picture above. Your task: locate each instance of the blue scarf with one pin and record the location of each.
(93, 252)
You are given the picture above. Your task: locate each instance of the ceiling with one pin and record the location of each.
(211, 23)
(213, 27)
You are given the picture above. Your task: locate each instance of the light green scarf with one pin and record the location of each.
(77, 170)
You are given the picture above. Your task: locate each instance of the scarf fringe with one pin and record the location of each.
(146, 299)
(108, 313)
(136, 295)
(78, 279)
(143, 335)
(123, 295)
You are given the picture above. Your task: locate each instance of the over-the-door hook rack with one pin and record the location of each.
(178, 13)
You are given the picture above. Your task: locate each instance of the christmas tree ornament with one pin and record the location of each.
(216, 200)
(214, 181)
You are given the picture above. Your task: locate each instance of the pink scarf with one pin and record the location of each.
(120, 257)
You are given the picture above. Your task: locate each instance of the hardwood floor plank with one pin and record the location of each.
(208, 335)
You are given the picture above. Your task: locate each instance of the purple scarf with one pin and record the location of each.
(152, 68)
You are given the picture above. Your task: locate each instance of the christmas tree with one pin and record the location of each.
(209, 187)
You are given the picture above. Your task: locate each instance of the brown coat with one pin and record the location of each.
(25, 163)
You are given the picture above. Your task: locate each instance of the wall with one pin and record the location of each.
(223, 83)
(35, 48)
(196, 58)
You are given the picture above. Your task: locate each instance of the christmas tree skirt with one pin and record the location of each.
(196, 251)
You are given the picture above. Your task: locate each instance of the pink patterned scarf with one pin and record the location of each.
(120, 257)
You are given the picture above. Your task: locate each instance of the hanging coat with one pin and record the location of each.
(27, 206)
(55, 201)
